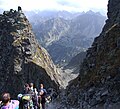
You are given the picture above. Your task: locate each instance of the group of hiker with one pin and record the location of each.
(31, 98)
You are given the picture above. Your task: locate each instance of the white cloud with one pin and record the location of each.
(69, 5)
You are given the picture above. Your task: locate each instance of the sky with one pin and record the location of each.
(68, 5)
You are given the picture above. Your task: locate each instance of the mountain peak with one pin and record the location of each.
(90, 12)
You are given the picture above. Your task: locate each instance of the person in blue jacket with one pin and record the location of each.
(42, 94)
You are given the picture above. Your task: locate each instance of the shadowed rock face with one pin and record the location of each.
(99, 80)
(22, 59)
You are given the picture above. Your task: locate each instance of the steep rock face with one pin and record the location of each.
(99, 80)
(22, 59)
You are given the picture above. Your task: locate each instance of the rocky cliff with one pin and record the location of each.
(98, 83)
(22, 59)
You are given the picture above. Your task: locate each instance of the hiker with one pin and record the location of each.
(26, 88)
(25, 101)
(31, 87)
(42, 95)
(7, 103)
(34, 93)
(20, 96)
(26, 98)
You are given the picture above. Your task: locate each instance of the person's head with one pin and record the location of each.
(5, 97)
(26, 85)
(31, 84)
(41, 85)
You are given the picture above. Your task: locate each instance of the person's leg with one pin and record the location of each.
(35, 104)
(38, 104)
(43, 105)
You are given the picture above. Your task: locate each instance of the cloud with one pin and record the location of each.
(69, 5)
(85, 4)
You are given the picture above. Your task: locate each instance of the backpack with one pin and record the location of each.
(26, 101)
(26, 97)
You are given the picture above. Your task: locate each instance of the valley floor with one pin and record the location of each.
(67, 75)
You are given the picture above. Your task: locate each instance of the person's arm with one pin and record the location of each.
(0, 103)
(45, 91)
(41, 92)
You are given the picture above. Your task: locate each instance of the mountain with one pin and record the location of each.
(75, 62)
(47, 14)
(1, 10)
(50, 30)
(63, 37)
(89, 24)
(98, 84)
(22, 59)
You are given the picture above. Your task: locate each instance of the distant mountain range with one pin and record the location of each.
(45, 15)
(1, 11)
(65, 34)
